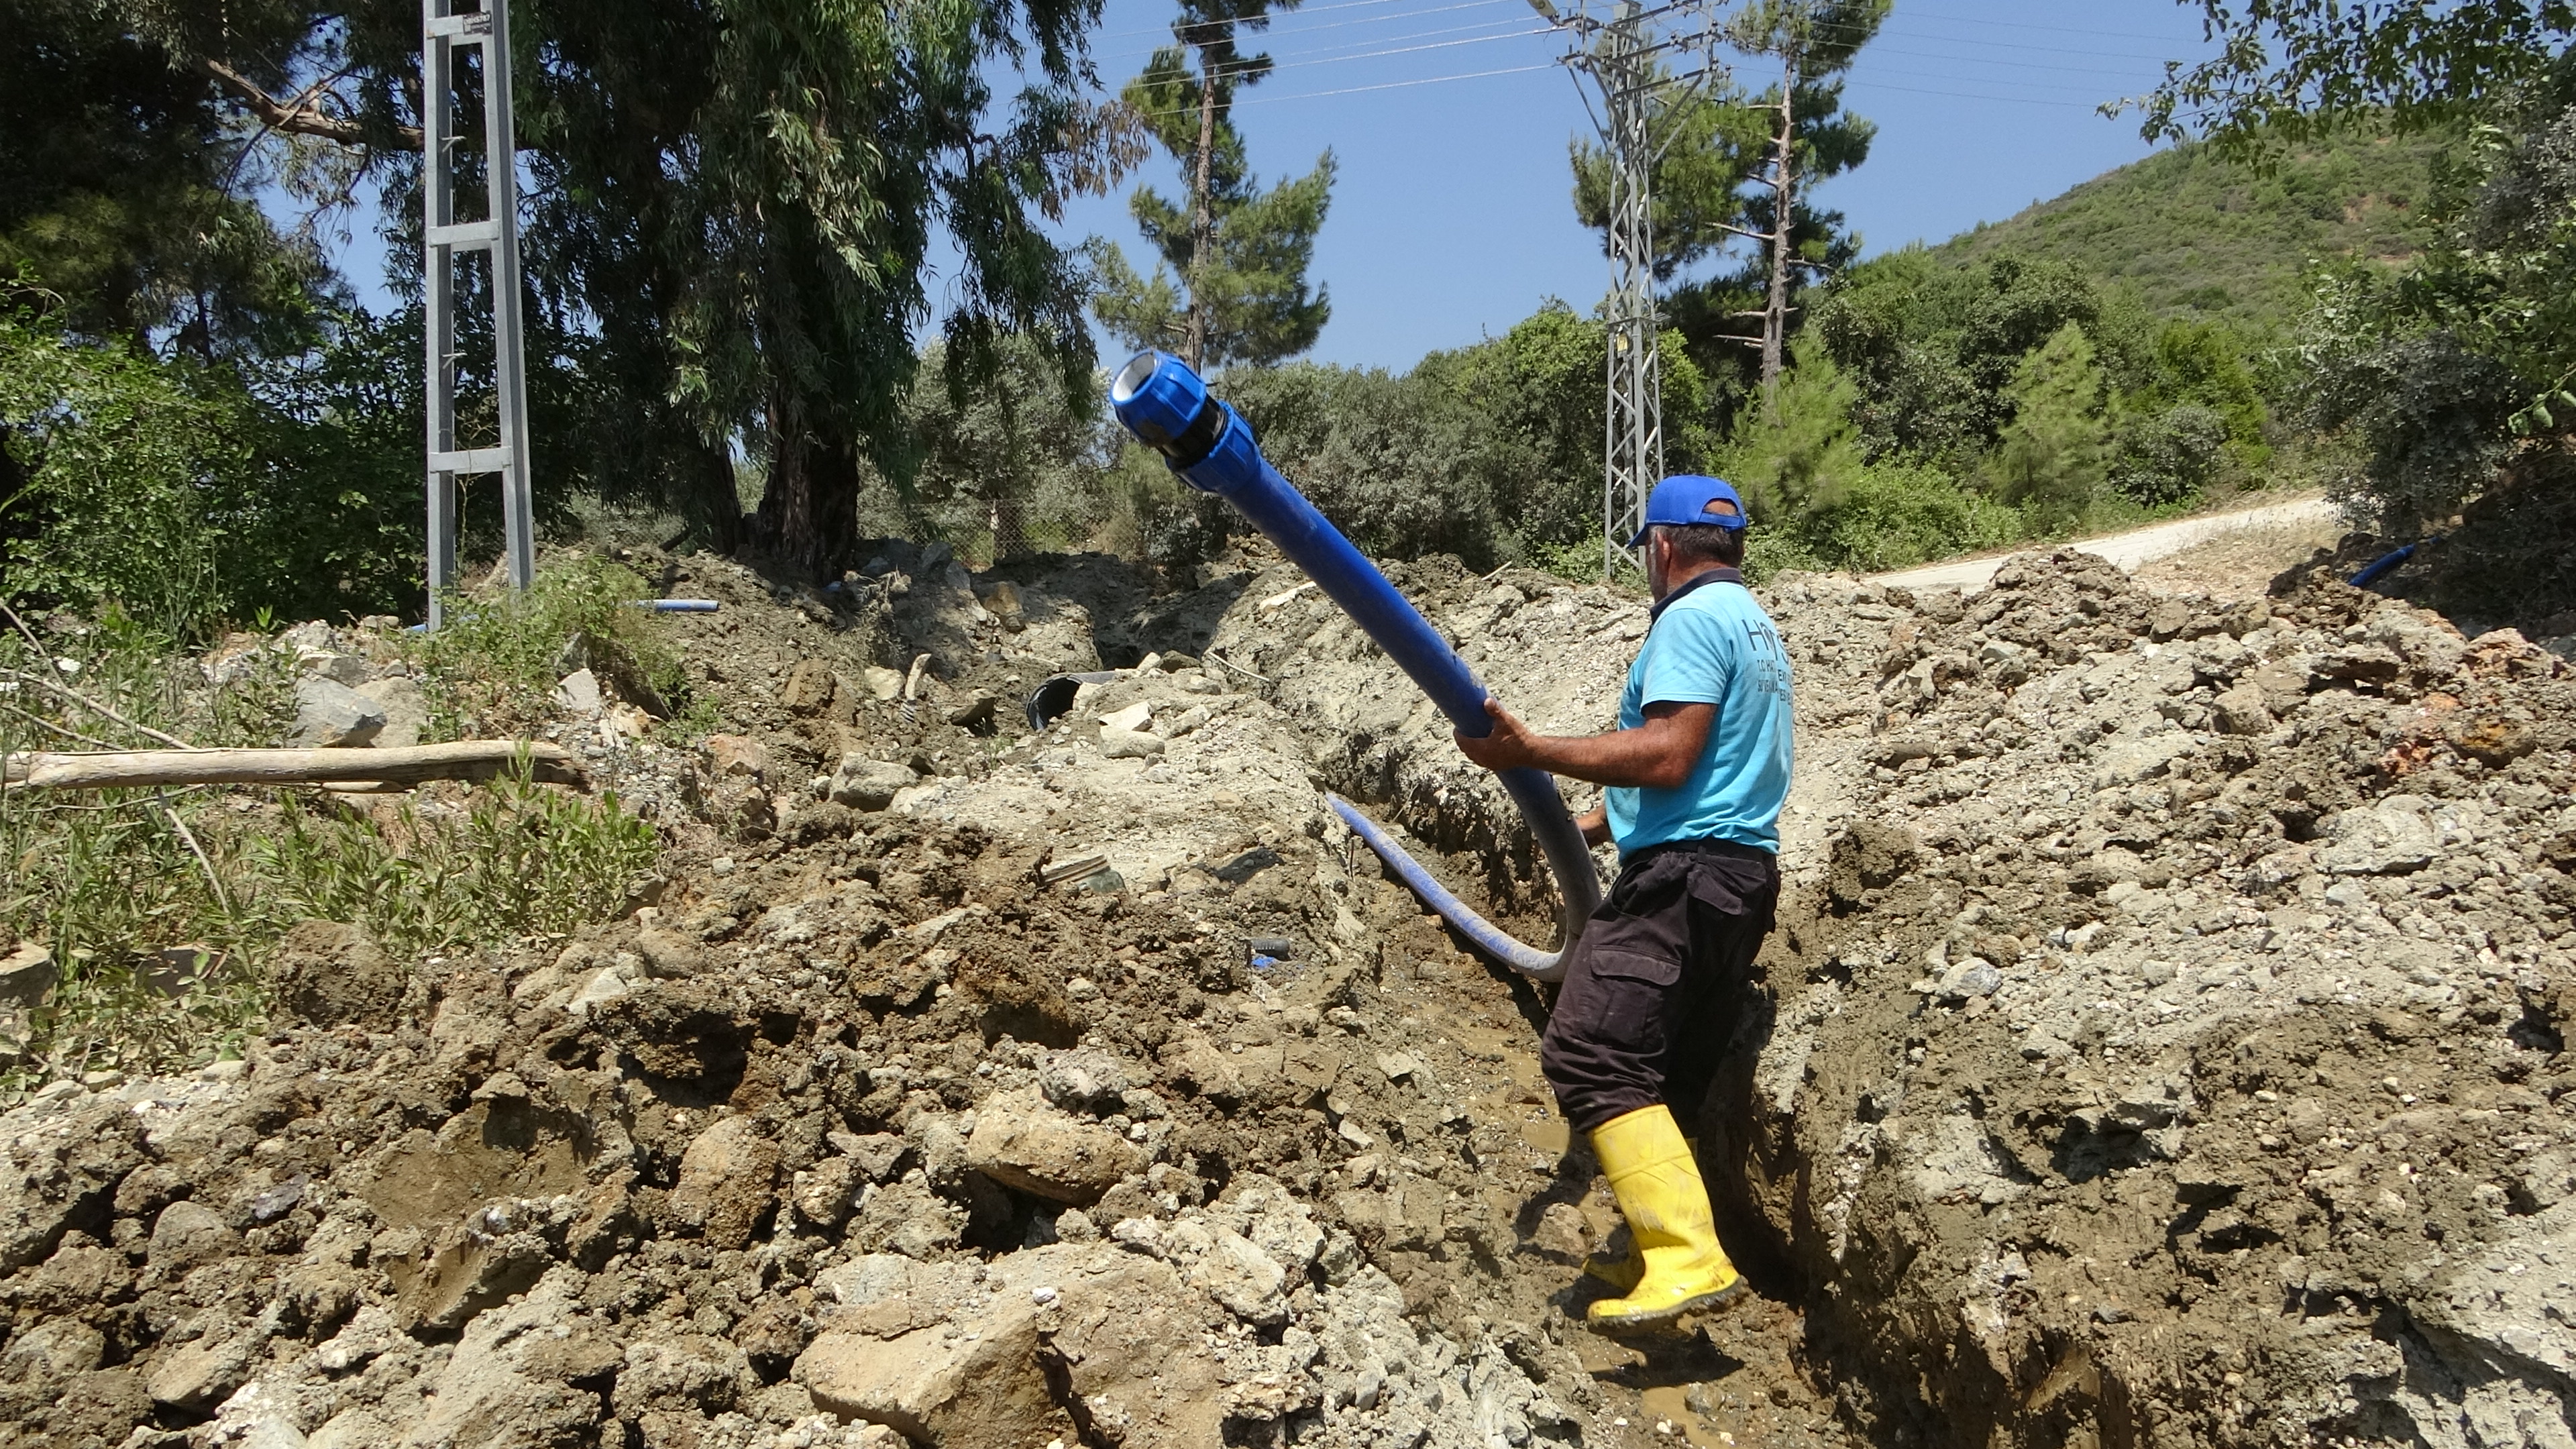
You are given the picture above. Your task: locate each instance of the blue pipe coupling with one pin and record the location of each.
(1211, 447)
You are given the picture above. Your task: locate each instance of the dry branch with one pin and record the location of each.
(472, 759)
(300, 116)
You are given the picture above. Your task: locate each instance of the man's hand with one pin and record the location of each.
(1595, 825)
(1510, 746)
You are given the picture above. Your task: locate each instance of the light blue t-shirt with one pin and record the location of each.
(1712, 645)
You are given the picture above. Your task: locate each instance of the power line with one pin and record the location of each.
(1429, 80)
(1983, 60)
(1224, 73)
(1296, 56)
(1316, 10)
(1981, 79)
(1867, 34)
(1970, 96)
(2033, 25)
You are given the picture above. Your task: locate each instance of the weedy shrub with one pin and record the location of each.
(492, 666)
(161, 907)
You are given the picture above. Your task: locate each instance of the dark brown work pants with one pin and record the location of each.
(1649, 1000)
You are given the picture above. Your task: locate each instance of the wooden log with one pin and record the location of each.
(467, 760)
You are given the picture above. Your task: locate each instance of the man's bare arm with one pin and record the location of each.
(1657, 755)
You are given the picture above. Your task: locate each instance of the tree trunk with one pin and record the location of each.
(1775, 309)
(1202, 216)
(809, 512)
(713, 503)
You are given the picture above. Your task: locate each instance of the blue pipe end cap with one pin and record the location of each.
(1157, 397)
(1168, 408)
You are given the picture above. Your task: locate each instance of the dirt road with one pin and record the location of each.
(2134, 548)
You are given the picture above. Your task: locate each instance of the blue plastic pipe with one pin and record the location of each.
(1210, 446)
(677, 606)
(2380, 566)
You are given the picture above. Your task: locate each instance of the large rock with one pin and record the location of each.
(943, 1359)
(735, 757)
(406, 709)
(2393, 836)
(809, 688)
(865, 784)
(62, 1173)
(1021, 1142)
(1092, 1082)
(1244, 1280)
(728, 1179)
(579, 692)
(188, 1234)
(329, 973)
(2241, 711)
(329, 715)
(205, 1360)
(27, 976)
(1129, 745)
(508, 1383)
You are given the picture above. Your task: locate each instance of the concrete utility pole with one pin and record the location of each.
(448, 26)
(1621, 56)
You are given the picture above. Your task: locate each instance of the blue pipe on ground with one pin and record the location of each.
(2372, 573)
(1210, 446)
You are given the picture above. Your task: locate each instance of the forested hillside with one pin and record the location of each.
(2192, 232)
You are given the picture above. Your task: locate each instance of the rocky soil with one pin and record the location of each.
(2164, 1044)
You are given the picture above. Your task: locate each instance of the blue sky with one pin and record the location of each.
(1451, 219)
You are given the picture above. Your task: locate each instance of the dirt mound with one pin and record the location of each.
(2165, 1039)
(2164, 1043)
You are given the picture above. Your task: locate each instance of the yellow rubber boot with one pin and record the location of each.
(1623, 1270)
(1657, 1182)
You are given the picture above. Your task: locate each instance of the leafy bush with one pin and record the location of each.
(1013, 466)
(1802, 456)
(1895, 516)
(187, 493)
(1490, 452)
(2172, 457)
(2454, 378)
(111, 456)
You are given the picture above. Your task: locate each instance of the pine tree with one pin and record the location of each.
(1815, 41)
(1230, 285)
(2056, 453)
(1799, 457)
(1734, 156)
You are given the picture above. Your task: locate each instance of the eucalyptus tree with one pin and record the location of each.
(735, 211)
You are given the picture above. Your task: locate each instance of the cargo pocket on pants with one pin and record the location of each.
(1625, 1002)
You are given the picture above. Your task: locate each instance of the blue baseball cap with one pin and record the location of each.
(1688, 498)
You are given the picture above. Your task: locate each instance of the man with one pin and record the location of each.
(1695, 776)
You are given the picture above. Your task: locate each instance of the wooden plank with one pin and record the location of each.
(469, 760)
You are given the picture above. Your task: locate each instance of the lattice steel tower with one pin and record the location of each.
(448, 27)
(1621, 55)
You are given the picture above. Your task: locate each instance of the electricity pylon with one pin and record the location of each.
(1622, 54)
(448, 26)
